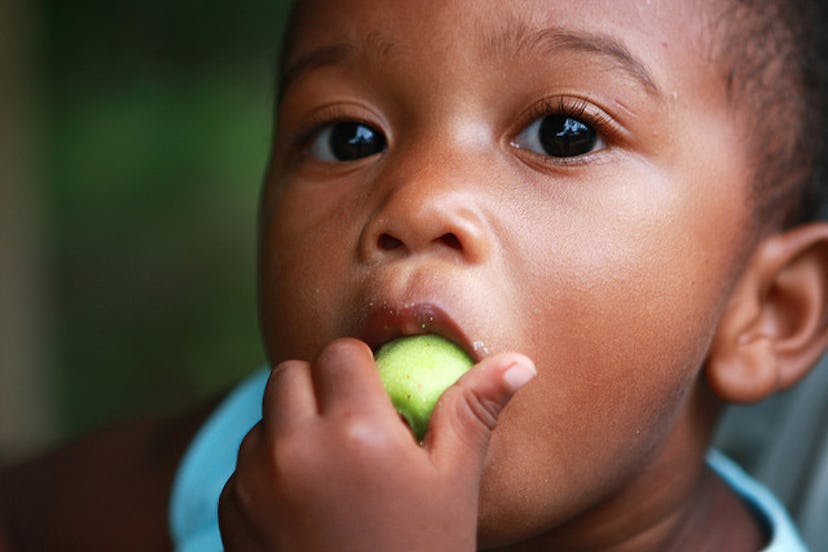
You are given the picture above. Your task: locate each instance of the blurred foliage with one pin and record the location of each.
(156, 117)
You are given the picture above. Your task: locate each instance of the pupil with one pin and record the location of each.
(351, 141)
(563, 136)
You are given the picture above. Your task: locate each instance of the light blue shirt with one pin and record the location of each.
(784, 536)
(207, 466)
(211, 458)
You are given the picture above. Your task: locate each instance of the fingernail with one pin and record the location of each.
(519, 374)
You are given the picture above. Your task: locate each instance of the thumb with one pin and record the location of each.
(465, 416)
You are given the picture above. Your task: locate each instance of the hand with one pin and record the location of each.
(331, 466)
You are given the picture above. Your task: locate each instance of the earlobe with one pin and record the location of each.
(775, 327)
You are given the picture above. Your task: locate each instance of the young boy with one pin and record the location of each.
(605, 198)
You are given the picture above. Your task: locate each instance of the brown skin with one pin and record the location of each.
(620, 273)
(633, 277)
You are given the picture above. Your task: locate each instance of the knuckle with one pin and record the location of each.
(478, 410)
(238, 495)
(269, 456)
(288, 455)
(364, 434)
(249, 446)
(242, 494)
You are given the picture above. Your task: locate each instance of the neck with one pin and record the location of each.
(712, 518)
(675, 504)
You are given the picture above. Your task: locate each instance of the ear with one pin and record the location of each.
(775, 327)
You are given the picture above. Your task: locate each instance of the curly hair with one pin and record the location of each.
(772, 54)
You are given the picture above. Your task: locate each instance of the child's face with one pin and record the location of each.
(606, 256)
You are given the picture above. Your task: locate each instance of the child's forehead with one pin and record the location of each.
(659, 43)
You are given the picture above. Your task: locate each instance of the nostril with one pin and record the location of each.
(451, 241)
(387, 242)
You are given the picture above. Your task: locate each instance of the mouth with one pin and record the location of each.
(385, 322)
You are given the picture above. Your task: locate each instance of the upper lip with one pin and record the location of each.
(386, 321)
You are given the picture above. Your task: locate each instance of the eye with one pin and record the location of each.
(346, 141)
(559, 135)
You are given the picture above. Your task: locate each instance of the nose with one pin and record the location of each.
(432, 210)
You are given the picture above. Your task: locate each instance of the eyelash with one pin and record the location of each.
(325, 117)
(577, 108)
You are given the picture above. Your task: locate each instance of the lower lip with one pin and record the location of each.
(390, 321)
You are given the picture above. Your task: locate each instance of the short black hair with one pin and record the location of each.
(772, 54)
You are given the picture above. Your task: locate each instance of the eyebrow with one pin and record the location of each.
(517, 40)
(333, 54)
(338, 53)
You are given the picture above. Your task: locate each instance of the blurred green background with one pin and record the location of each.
(148, 123)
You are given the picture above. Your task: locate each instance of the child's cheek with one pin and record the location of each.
(304, 268)
(625, 309)
(612, 389)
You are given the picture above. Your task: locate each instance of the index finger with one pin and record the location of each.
(289, 397)
(346, 379)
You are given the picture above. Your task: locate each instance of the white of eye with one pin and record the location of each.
(320, 146)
